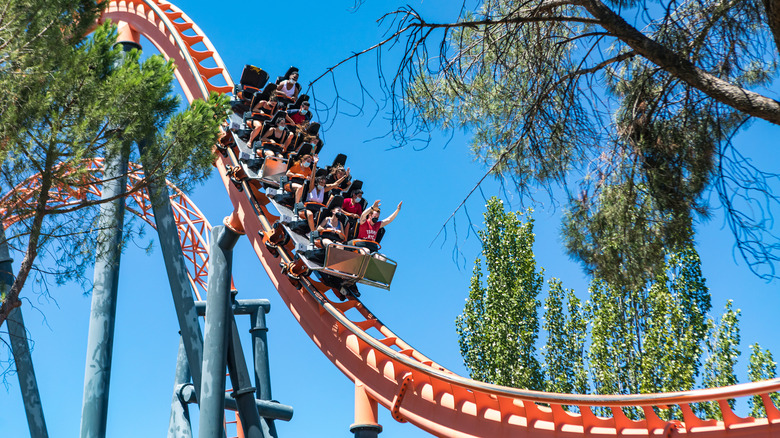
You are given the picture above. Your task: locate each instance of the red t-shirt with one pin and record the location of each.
(368, 231)
(352, 207)
(298, 118)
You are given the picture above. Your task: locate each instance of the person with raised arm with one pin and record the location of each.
(369, 226)
(318, 187)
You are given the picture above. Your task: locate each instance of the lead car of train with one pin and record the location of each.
(273, 136)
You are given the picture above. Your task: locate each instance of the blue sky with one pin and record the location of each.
(429, 288)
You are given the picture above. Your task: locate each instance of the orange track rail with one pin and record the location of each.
(386, 370)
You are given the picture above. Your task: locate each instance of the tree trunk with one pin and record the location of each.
(737, 97)
(11, 301)
(773, 19)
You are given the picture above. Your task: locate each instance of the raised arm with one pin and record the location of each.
(337, 182)
(366, 212)
(314, 161)
(391, 218)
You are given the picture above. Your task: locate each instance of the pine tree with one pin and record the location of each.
(635, 104)
(81, 100)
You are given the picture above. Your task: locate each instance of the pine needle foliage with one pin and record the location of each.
(629, 105)
(69, 98)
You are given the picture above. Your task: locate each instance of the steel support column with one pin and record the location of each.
(21, 350)
(218, 325)
(24, 370)
(179, 425)
(243, 391)
(259, 333)
(100, 341)
(181, 290)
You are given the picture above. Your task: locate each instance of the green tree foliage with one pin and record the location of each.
(677, 305)
(761, 367)
(82, 99)
(638, 341)
(564, 351)
(499, 325)
(723, 352)
(650, 340)
(634, 102)
(613, 355)
(36, 30)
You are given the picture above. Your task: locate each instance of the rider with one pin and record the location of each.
(277, 139)
(370, 226)
(287, 90)
(300, 172)
(316, 194)
(353, 208)
(331, 229)
(300, 116)
(262, 111)
(339, 176)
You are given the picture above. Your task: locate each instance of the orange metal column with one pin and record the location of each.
(127, 34)
(366, 425)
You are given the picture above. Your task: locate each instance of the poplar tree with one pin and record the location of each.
(499, 325)
(761, 367)
(621, 341)
(722, 354)
(565, 323)
(650, 340)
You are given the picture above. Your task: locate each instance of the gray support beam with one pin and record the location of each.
(267, 409)
(257, 308)
(243, 391)
(259, 333)
(218, 316)
(20, 349)
(179, 425)
(100, 341)
(240, 307)
(24, 370)
(181, 290)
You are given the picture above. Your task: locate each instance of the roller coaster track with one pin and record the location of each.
(386, 370)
